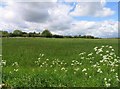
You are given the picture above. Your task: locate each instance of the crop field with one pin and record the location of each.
(54, 62)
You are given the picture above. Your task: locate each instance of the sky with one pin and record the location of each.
(99, 19)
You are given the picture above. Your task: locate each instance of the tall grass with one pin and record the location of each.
(34, 62)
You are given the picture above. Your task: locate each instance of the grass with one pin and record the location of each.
(29, 61)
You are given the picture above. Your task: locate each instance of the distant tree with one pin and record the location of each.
(24, 34)
(46, 33)
(37, 35)
(68, 36)
(58, 36)
(0, 33)
(17, 33)
(31, 34)
(88, 36)
(5, 34)
(77, 36)
(11, 35)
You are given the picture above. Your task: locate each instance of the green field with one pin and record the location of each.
(50, 62)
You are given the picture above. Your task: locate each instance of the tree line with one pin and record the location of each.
(46, 33)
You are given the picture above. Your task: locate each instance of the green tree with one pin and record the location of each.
(17, 33)
(25, 34)
(5, 34)
(46, 33)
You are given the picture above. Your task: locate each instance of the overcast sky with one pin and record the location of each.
(66, 18)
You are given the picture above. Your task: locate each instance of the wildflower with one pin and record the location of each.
(110, 46)
(99, 70)
(90, 54)
(85, 73)
(55, 70)
(46, 65)
(65, 63)
(95, 65)
(76, 69)
(101, 61)
(90, 61)
(62, 68)
(41, 66)
(100, 50)
(112, 49)
(115, 55)
(101, 55)
(106, 45)
(1, 85)
(97, 52)
(112, 70)
(15, 70)
(95, 48)
(104, 64)
(109, 80)
(105, 79)
(39, 58)
(111, 53)
(3, 62)
(116, 73)
(47, 59)
(82, 53)
(61, 63)
(105, 57)
(66, 70)
(116, 60)
(116, 65)
(73, 60)
(118, 79)
(80, 63)
(118, 57)
(74, 72)
(82, 57)
(89, 76)
(102, 46)
(15, 64)
(84, 69)
(42, 55)
(108, 84)
(107, 51)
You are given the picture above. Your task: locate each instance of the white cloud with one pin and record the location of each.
(60, 20)
(95, 9)
(28, 11)
(31, 17)
(98, 29)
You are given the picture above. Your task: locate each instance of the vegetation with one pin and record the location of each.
(34, 62)
(46, 33)
(17, 33)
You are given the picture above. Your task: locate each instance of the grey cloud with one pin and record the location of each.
(60, 26)
(34, 12)
(35, 17)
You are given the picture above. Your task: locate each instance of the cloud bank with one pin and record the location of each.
(59, 18)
